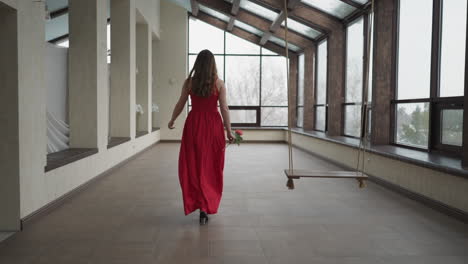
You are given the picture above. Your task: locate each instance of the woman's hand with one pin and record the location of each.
(170, 125)
(230, 136)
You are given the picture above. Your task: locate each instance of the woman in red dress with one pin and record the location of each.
(201, 157)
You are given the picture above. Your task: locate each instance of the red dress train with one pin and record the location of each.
(201, 157)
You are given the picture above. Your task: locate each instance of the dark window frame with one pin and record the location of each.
(436, 103)
(257, 108)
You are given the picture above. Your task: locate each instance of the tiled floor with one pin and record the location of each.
(135, 216)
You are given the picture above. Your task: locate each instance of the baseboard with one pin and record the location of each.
(46, 209)
(429, 202)
(243, 142)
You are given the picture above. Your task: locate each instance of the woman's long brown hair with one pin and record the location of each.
(203, 74)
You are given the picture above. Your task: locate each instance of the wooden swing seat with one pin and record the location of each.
(297, 174)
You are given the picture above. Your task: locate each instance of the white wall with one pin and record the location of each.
(171, 65)
(56, 78)
(150, 10)
(38, 188)
(448, 189)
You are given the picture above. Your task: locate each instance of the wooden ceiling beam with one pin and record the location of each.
(257, 22)
(353, 4)
(235, 7)
(266, 36)
(230, 25)
(244, 34)
(194, 6)
(312, 17)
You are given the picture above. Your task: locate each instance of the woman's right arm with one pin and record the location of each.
(225, 110)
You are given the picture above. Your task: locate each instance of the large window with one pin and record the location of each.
(255, 77)
(428, 104)
(300, 91)
(321, 87)
(354, 77)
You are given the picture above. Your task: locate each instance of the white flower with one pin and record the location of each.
(155, 108)
(139, 109)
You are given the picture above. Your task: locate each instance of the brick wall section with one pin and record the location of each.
(335, 71)
(383, 82)
(309, 87)
(293, 89)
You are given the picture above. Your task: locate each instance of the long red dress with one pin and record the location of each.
(201, 157)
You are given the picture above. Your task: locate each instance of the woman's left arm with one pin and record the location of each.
(180, 104)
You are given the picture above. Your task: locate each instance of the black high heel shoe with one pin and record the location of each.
(203, 218)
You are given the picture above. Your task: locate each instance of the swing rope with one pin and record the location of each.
(360, 163)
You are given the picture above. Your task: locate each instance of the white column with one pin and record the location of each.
(143, 81)
(87, 72)
(122, 89)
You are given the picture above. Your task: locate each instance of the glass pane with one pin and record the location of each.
(259, 10)
(248, 28)
(371, 61)
(236, 45)
(281, 42)
(452, 127)
(322, 73)
(108, 43)
(300, 81)
(243, 80)
(204, 36)
(243, 116)
(213, 13)
(274, 81)
(219, 64)
(452, 61)
(414, 49)
(354, 61)
(274, 116)
(301, 28)
(334, 7)
(320, 117)
(412, 124)
(352, 125)
(268, 52)
(300, 117)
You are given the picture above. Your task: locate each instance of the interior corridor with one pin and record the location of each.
(134, 215)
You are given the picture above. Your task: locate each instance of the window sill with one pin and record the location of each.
(141, 133)
(434, 161)
(64, 157)
(154, 129)
(115, 141)
(261, 128)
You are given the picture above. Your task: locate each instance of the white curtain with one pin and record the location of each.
(57, 134)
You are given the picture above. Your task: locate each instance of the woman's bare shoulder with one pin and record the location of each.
(220, 84)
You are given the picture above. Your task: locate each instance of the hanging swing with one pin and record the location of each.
(358, 173)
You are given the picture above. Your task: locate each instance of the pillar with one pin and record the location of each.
(335, 80)
(309, 88)
(123, 65)
(87, 72)
(143, 80)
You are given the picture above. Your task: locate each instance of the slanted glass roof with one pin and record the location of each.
(258, 10)
(214, 13)
(301, 28)
(282, 43)
(362, 2)
(248, 28)
(336, 8)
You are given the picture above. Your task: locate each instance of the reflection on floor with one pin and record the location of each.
(5, 235)
(134, 215)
